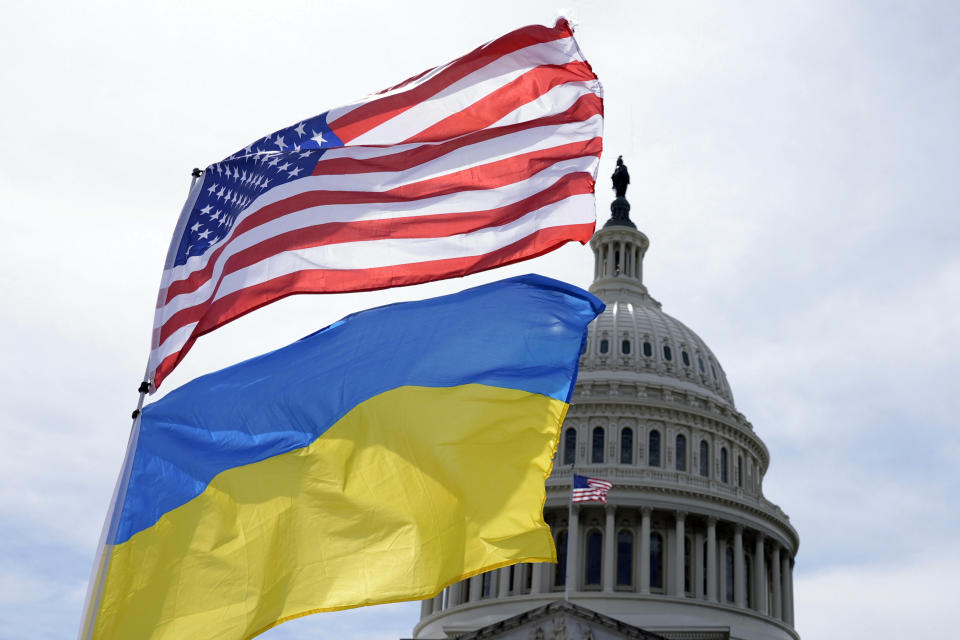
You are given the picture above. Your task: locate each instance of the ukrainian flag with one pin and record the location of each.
(381, 459)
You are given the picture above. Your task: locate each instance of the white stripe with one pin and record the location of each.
(555, 101)
(468, 90)
(482, 200)
(471, 156)
(578, 209)
(172, 344)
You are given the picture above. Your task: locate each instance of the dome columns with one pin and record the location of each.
(609, 548)
(679, 569)
(645, 515)
(710, 573)
(618, 260)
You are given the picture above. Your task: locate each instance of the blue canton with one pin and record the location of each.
(229, 186)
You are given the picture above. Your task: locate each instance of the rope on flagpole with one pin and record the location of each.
(102, 560)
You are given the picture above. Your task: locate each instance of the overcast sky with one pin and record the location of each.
(795, 165)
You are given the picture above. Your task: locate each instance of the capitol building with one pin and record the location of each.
(686, 547)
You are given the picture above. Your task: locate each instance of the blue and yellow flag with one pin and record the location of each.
(380, 459)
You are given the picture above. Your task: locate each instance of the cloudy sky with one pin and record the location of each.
(795, 165)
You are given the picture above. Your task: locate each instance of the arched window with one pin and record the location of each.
(687, 565)
(704, 459)
(667, 353)
(624, 558)
(728, 573)
(685, 357)
(713, 371)
(570, 446)
(656, 561)
(647, 349)
(485, 582)
(596, 455)
(594, 558)
(747, 582)
(681, 452)
(604, 346)
(560, 569)
(723, 464)
(739, 470)
(625, 347)
(700, 362)
(626, 446)
(653, 454)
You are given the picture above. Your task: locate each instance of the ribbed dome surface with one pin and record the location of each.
(636, 336)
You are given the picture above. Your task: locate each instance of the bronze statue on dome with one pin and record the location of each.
(621, 178)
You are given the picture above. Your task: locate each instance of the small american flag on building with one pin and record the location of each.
(590, 489)
(478, 163)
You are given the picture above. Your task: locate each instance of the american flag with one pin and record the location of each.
(485, 161)
(589, 489)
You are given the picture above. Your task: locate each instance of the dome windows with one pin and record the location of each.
(594, 559)
(626, 446)
(570, 446)
(560, 569)
(624, 558)
(685, 357)
(604, 346)
(647, 349)
(596, 455)
(724, 477)
(681, 446)
(656, 560)
(739, 471)
(667, 353)
(700, 363)
(653, 454)
(704, 459)
(625, 347)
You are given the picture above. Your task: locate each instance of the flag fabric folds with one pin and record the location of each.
(587, 489)
(478, 163)
(380, 459)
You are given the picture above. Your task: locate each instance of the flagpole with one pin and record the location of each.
(566, 569)
(102, 559)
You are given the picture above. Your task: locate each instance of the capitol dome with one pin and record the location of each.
(686, 546)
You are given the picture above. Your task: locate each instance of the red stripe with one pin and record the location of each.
(436, 226)
(246, 300)
(369, 115)
(488, 176)
(429, 226)
(513, 95)
(584, 108)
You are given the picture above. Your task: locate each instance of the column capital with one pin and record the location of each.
(610, 508)
(712, 520)
(738, 528)
(680, 515)
(647, 511)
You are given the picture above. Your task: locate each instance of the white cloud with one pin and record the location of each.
(912, 596)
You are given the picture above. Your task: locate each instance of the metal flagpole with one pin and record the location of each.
(566, 558)
(102, 560)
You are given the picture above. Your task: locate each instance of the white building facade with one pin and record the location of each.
(686, 545)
